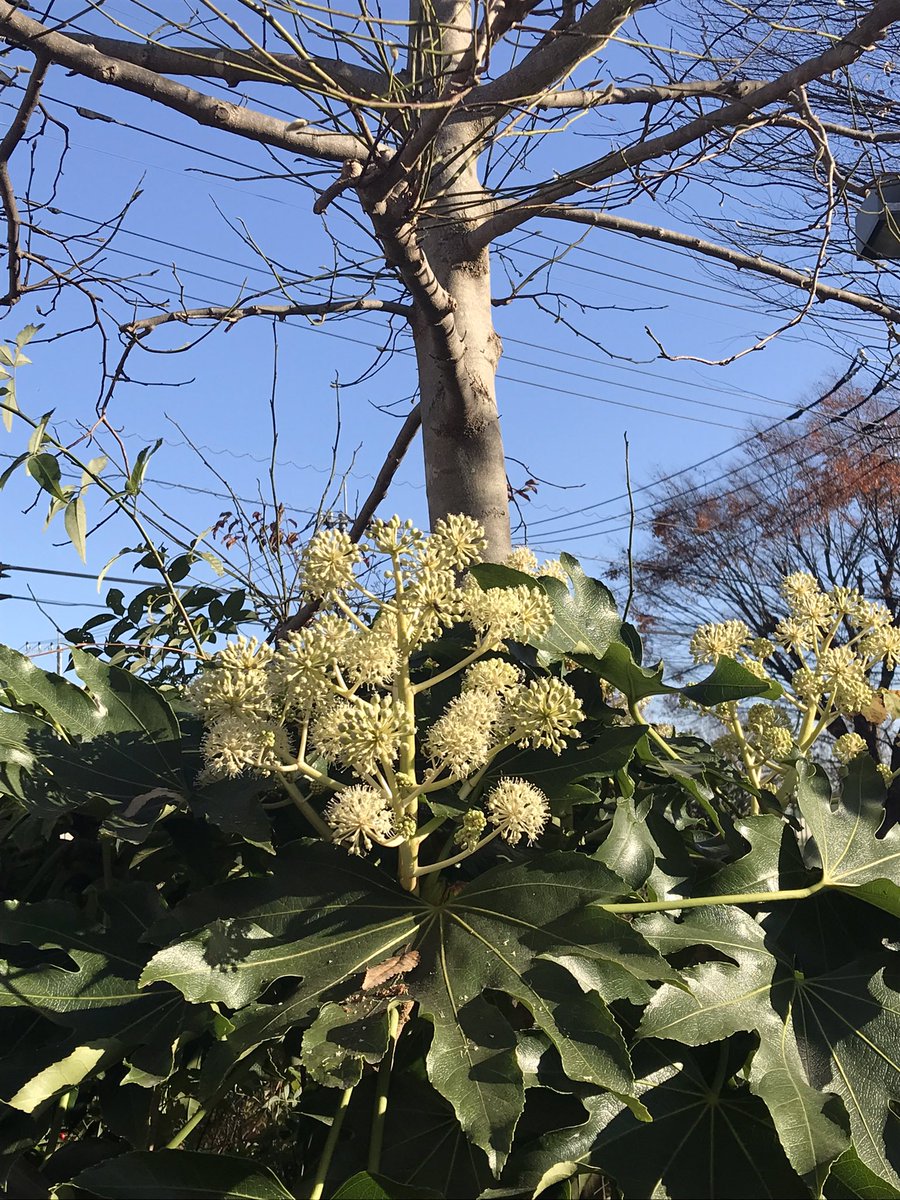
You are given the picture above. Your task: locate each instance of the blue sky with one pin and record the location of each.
(565, 404)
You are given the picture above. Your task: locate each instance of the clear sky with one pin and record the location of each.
(565, 403)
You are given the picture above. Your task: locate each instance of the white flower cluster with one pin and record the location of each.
(839, 637)
(339, 696)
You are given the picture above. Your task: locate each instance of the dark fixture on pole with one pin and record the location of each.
(878, 220)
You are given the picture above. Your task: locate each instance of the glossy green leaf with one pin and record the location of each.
(617, 667)
(75, 522)
(604, 754)
(835, 1032)
(844, 829)
(730, 681)
(709, 1137)
(773, 862)
(45, 471)
(323, 916)
(851, 1179)
(182, 1175)
(342, 1039)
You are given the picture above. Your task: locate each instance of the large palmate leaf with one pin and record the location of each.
(181, 1175)
(708, 1139)
(83, 982)
(323, 916)
(824, 1034)
(844, 829)
(117, 738)
(773, 862)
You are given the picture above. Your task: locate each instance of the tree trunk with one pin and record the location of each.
(465, 467)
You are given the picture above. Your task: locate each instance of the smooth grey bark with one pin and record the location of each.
(465, 467)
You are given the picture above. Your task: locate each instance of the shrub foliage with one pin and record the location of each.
(650, 968)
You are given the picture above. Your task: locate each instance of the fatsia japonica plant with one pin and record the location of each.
(423, 901)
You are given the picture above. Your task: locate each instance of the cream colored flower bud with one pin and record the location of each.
(761, 648)
(710, 642)
(872, 615)
(303, 665)
(462, 738)
(457, 541)
(371, 656)
(237, 682)
(492, 675)
(361, 733)
(801, 583)
(395, 536)
(327, 563)
(883, 644)
(517, 809)
(776, 742)
(235, 744)
(518, 613)
(471, 828)
(545, 713)
(848, 746)
(359, 816)
(552, 568)
(794, 634)
(524, 560)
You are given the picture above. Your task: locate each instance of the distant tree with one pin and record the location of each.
(820, 495)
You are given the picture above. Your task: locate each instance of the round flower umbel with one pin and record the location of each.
(545, 713)
(328, 563)
(517, 809)
(710, 642)
(462, 738)
(848, 746)
(360, 816)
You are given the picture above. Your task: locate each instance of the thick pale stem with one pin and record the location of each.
(330, 1143)
(381, 1093)
(651, 906)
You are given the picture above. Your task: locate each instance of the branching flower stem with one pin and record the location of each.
(639, 719)
(304, 806)
(381, 1092)
(457, 858)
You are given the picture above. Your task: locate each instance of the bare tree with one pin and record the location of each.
(442, 132)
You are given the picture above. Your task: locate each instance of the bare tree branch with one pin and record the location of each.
(20, 30)
(557, 55)
(11, 139)
(663, 93)
(842, 53)
(239, 66)
(806, 281)
(230, 315)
